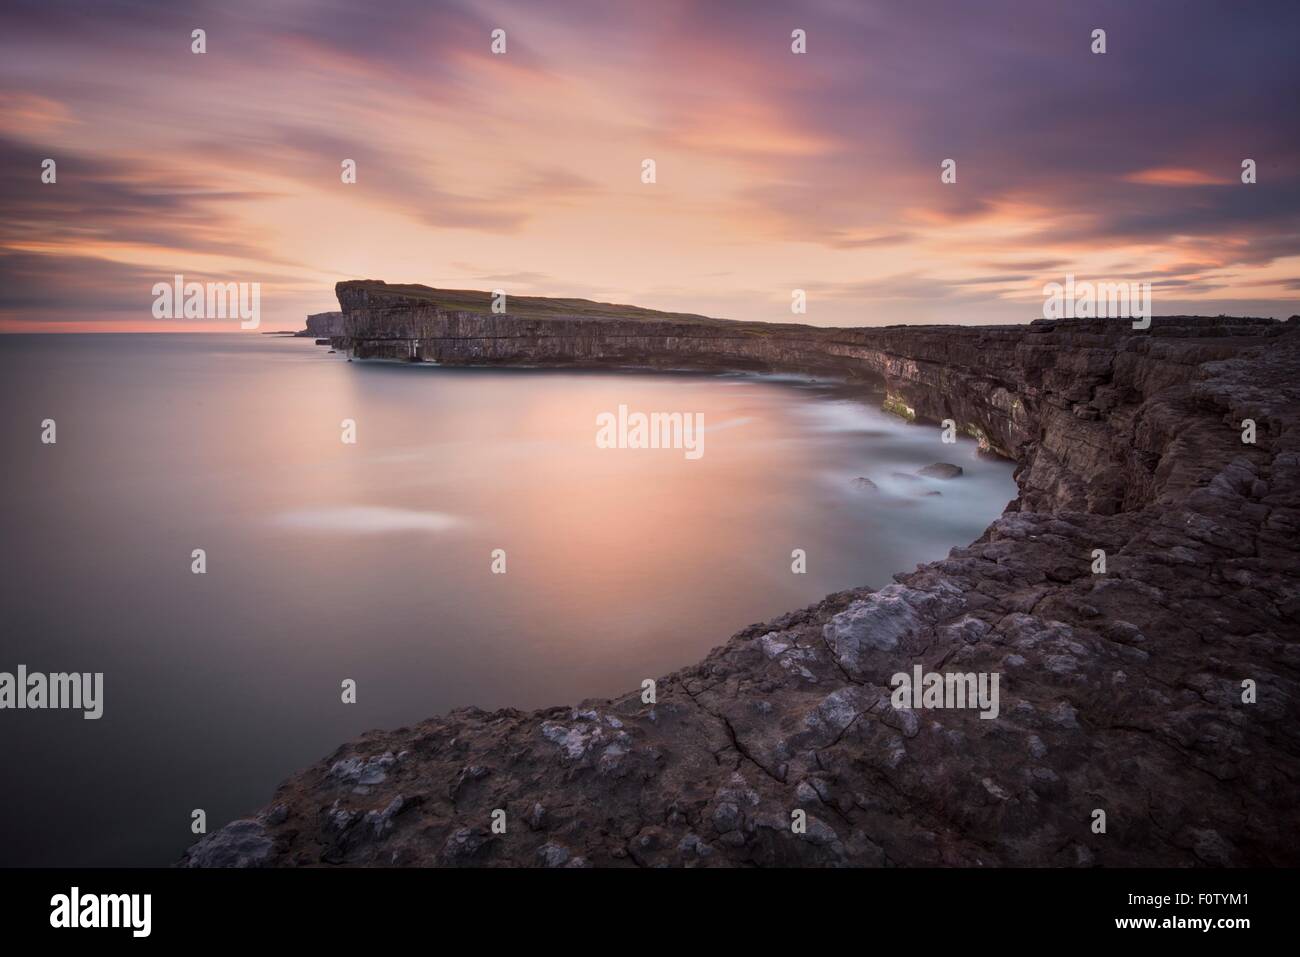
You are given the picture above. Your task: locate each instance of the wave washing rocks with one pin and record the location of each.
(1120, 690)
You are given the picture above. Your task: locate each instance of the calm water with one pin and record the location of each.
(372, 561)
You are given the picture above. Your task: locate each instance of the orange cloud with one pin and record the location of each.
(1176, 176)
(31, 115)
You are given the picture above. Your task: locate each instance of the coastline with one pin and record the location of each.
(1121, 690)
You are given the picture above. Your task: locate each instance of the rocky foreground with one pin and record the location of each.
(1161, 691)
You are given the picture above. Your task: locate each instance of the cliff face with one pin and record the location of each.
(322, 325)
(1121, 691)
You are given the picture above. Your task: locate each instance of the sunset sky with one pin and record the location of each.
(775, 171)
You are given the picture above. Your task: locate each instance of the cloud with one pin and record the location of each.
(818, 171)
(85, 293)
(119, 201)
(1174, 176)
(365, 520)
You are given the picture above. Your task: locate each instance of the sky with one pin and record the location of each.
(774, 171)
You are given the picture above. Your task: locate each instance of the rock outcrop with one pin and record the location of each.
(1138, 601)
(323, 325)
(941, 470)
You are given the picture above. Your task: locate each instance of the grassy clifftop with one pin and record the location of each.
(479, 301)
(525, 307)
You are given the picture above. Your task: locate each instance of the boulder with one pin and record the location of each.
(941, 470)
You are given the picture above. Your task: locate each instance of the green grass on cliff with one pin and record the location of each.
(542, 307)
(525, 307)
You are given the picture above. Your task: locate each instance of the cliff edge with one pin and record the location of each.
(1162, 691)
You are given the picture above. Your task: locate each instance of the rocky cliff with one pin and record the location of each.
(322, 325)
(1158, 695)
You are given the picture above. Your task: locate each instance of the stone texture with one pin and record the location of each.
(243, 843)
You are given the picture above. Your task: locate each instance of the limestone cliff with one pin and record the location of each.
(322, 325)
(1121, 691)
